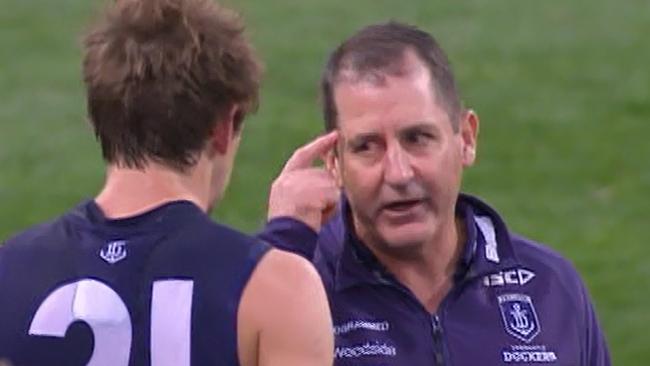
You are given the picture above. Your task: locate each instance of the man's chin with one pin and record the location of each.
(405, 234)
(402, 241)
(402, 245)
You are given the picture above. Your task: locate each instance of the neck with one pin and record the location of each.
(128, 192)
(430, 273)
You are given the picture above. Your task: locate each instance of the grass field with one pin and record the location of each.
(562, 88)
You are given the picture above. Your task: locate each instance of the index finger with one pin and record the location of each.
(306, 155)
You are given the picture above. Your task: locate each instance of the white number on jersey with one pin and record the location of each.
(103, 310)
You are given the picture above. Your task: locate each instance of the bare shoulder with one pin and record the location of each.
(284, 316)
(282, 281)
(282, 269)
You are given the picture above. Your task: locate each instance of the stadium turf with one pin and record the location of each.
(562, 89)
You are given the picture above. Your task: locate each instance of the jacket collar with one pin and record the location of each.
(488, 248)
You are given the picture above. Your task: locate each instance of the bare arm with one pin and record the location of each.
(284, 317)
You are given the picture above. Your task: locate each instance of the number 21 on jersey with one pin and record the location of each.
(99, 306)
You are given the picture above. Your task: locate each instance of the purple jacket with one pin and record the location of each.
(513, 301)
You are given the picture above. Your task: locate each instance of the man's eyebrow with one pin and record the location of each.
(361, 137)
(420, 126)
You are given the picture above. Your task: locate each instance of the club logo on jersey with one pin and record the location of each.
(114, 251)
(519, 316)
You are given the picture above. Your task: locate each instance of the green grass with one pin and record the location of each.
(562, 88)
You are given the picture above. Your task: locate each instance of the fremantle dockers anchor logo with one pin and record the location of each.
(114, 251)
(519, 316)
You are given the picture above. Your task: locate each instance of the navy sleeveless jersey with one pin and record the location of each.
(160, 288)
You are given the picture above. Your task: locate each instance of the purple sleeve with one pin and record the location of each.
(596, 352)
(286, 233)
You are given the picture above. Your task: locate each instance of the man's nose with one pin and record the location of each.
(398, 170)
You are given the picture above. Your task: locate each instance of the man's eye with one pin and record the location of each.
(364, 147)
(361, 147)
(418, 138)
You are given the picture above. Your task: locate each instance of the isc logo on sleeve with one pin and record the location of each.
(517, 276)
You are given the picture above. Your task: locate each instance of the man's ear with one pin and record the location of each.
(226, 129)
(332, 163)
(469, 127)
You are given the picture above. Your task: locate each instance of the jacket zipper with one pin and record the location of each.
(436, 325)
(437, 334)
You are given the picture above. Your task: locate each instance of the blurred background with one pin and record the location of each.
(562, 89)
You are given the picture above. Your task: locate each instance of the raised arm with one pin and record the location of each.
(302, 191)
(302, 198)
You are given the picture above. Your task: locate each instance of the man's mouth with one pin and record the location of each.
(402, 205)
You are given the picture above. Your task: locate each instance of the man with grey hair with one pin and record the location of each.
(418, 273)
